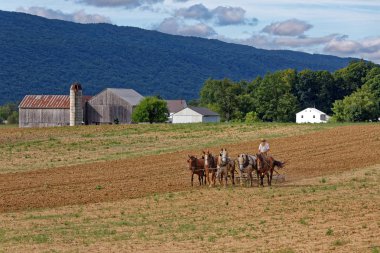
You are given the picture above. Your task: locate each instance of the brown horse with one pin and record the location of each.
(265, 167)
(210, 167)
(247, 164)
(196, 166)
(225, 165)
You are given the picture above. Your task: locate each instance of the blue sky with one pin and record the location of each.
(337, 27)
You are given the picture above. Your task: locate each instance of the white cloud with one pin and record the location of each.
(229, 15)
(177, 27)
(291, 27)
(303, 41)
(78, 16)
(197, 11)
(368, 48)
(119, 3)
(222, 16)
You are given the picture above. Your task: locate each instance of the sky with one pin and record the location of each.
(347, 28)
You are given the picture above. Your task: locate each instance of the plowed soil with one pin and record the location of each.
(310, 155)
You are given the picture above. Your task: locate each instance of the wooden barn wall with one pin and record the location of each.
(106, 107)
(43, 117)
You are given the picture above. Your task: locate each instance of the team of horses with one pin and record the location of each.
(211, 167)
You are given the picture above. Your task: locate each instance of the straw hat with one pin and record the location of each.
(263, 140)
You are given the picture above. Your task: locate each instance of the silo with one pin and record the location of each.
(76, 108)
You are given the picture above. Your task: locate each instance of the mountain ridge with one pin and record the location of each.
(44, 56)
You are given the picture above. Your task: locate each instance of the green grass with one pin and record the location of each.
(329, 231)
(339, 242)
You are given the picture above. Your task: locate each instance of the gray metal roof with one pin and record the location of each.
(176, 105)
(204, 111)
(129, 95)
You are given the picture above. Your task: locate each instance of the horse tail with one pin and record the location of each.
(279, 164)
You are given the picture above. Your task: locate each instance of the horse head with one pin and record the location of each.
(260, 162)
(241, 161)
(207, 157)
(224, 155)
(191, 162)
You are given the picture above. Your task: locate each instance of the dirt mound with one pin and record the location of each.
(308, 155)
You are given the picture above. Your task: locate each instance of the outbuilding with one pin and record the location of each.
(311, 115)
(175, 106)
(196, 115)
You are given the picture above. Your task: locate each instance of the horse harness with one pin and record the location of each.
(248, 161)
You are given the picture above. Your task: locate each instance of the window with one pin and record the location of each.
(323, 116)
(301, 116)
(313, 116)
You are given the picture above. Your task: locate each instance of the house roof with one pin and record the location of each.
(48, 101)
(203, 111)
(129, 95)
(313, 110)
(176, 105)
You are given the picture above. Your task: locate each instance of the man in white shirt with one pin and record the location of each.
(264, 147)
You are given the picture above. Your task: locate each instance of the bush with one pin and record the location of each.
(251, 117)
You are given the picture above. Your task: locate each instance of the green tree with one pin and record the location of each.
(352, 77)
(151, 109)
(361, 105)
(273, 96)
(221, 96)
(13, 118)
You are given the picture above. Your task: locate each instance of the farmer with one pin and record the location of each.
(264, 147)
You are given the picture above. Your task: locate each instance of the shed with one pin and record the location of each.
(45, 110)
(175, 106)
(112, 105)
(195, 115)
(311, 115)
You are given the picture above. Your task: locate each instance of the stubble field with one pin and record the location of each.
(329, 202)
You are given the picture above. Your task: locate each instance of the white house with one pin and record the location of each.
(311, 115)
(195, 115)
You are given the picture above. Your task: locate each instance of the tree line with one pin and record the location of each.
(349, 94)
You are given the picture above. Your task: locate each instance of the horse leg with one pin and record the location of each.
(206, 176)
(250, 178)
(269, 180)
(233, 175)
(219, 175)
(258, 179)
(271, 175)
(192, 179)
(262, 180)
(225, 178)
(241, 177)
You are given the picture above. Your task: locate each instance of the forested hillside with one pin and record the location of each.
(41, 56)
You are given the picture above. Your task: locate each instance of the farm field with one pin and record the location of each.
(143, 202)
(32, 148)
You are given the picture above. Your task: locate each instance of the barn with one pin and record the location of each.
(112, 106)
(196, 115)
(311, 115)
(44, 111)
(53, 110)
